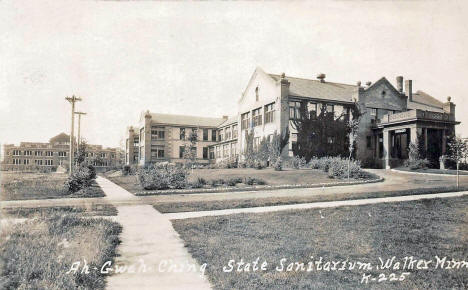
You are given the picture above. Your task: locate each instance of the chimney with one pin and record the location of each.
(399, 83)
(321, 77)
(225, 117)
(358, 83)
(368, 84)
(409, 89)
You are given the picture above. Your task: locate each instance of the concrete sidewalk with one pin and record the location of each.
(151, 248)
(355, 202)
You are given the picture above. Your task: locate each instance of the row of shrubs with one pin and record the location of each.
(338, 167)
(162, 176)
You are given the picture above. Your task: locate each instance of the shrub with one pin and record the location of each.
(82, 177)
(163, 176)
(338, 168)
(416, 164)
(252, 181)
(201, 180)
(234, 181)
(278, 164)
(258, 164)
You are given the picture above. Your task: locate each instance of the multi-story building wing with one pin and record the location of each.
(163, 137)
(392, 116)
(226, 147)
(48, 156)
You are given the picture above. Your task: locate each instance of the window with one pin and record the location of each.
(369, 142)
(49, 153)
(218, 151)
(373, 112)
(103, 155)
(157, 133)
(256, 94)
(257, 117)
(62, 154)
(38, 162)
(49, 162)
(226, 150)
(245, 121)
(211, 153)
(312, 109)
(205, 152)
(330, 140)
(205, 134)
(181, 151)
(221, 135)
(330, 108)
(112, 155)
(16, 161)
(213, 135)
(182, 134)
(269, 113)
(27, 153)
(294, 110)
(234, 131)
(228, 133)
(157, 151)
(16, 152)
(233, 149)
(136, 141)
(38, 153)
(26, 161)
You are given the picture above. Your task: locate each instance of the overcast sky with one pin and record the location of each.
(196, 58)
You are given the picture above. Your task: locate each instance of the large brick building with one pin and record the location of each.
(393, 116)
(30, 156)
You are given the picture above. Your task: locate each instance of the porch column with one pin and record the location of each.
(425, 139)
(414, 135)
(377, 146)
(387, 147)
(444, 142)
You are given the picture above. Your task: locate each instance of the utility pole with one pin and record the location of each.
(79, 122)
(72, 101)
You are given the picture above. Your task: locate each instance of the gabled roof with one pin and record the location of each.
(384, 80)
(229, 121)
(185, 120)
(319, 90)
(61, 136)
(424, 98)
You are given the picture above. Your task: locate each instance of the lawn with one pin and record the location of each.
(41, 212)
(421, 229)
(172, 207)
(432, 170)
(38, 253)
(21, 186)
(269, 175)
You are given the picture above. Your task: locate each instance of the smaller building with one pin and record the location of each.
(164, 137)
(36, 156)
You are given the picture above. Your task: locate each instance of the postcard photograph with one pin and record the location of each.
(233, 144)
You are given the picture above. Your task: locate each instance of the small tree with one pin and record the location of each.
(81, 153)
(458, 151)
(276, 146)
(353, 128)
(190, 153)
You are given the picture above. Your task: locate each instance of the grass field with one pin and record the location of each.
(422, 229)
(42, 212)
(38, 253)
(172, 207)
(269, 175)
(21, 186)
(435, 171)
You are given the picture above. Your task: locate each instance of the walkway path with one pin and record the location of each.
(195, 214)
(150, 243)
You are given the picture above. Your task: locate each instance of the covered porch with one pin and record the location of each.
(429, 130)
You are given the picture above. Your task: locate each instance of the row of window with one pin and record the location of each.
(257, 118)
(228, 133)
(224, 151)
(28, 162)
(37, 153)
(313, 108)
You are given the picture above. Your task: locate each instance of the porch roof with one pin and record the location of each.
(415, 116)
